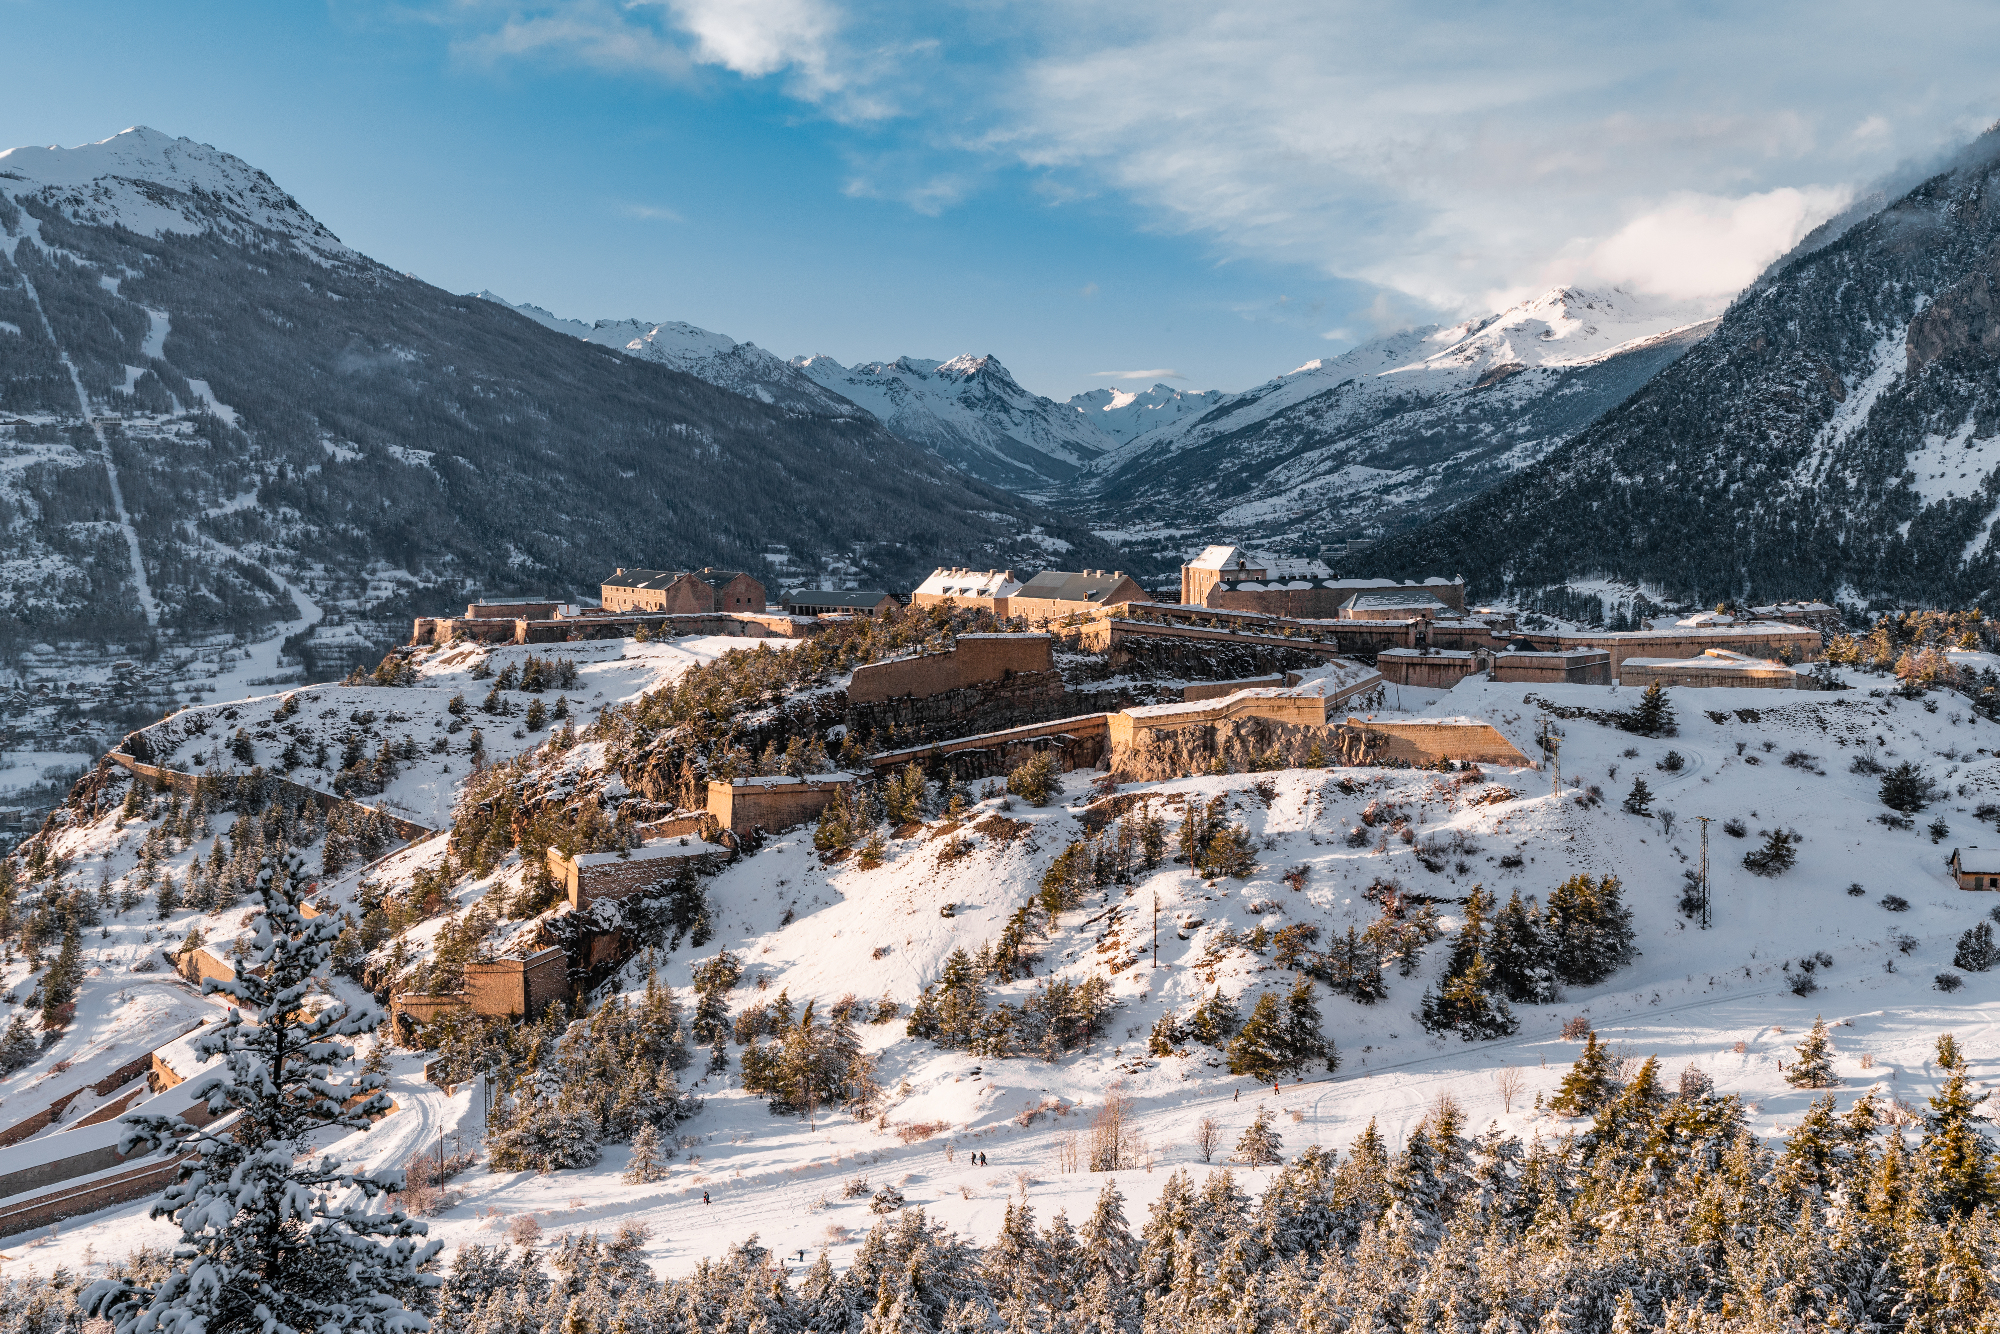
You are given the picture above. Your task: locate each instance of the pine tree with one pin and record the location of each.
(1520, 954)
(268, 1243)
(18, 1047)
(644, 1165)
(1906, 788)
(1814, 1067)
(1639, 801)
(1258, 1049)
(1589, 1082)
(1976, 950)
(1955, 1157)
(1775, 857)
(1260, 1143)
(1305, 1033)
(1653, 715)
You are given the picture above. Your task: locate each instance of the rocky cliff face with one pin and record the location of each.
(1839, 432)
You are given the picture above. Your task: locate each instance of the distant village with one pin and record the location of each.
(1415, 632)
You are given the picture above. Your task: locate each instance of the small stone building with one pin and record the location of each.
(775, 802)
(1975, 868)
(517, 986)
(590, 876)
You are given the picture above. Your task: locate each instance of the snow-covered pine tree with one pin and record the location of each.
(1653, 715)
(1260, 1143)
(1956, 1160)
(1305, 1033)
(1520, 955)
(1588, 1084)
(18, 1047)
(1639, 801)
(1259, 1050)
(644, 1165)
(1814, 1067)
(269, 1244)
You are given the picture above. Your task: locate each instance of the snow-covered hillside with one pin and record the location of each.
(970, 412)
(1856, 931)
(741, 368)
(156, 185)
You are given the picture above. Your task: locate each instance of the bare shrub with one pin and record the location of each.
(1576, 1028)
(855, 1188)
(1114, 1134)
(1695, 1082)
(1207, 1138)
(524, 1231)
(910, 1132)
(1508, 1083)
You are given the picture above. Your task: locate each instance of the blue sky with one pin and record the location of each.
(1088, 191)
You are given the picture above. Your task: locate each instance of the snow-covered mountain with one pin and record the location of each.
(1836, 429)
(1397, 428)
(218, 420)
(741, 368)
(1124, 413)
(156, 185)
(971, 413)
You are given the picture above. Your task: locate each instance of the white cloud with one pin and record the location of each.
(1442, 155)
(651, 213)
(1161, 374)
(1704, 245)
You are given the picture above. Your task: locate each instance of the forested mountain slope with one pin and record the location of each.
(1837, 431)
(286, 414)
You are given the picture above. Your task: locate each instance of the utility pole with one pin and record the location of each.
(1156, 928)
(1701, 890)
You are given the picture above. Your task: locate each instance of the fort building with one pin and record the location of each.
(589, 876)
(975, 590)
(839, 602)
(1232, 578)
(1054, 594)
(682, 592)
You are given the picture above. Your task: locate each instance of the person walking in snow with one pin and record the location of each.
(704, 1197)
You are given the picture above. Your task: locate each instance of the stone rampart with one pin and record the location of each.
(1429, 669)
(1370, 741)
(973, 660)
(274, 788)
(1589, 667)
(1756, 639)
(1078, 742)
(598, 625)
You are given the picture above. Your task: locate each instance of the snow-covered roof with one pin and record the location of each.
(1711, 661)
(651, 851)
(958, 582)
(1976, 861)
(1415, 599)
(784, 780)
(1432, 653)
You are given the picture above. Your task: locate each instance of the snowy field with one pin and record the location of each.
(1718, 998)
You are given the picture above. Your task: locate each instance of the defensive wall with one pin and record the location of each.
(972, 660)
(1370, 741)
(1078, 742)
(1756, 639)
(274, 787)
(52, 1112)
(597, 625)
(510, 987)
(1441, 669)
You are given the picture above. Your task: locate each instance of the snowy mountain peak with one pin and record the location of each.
(741, 368)
(154, 184)
(971, 412)
(1126, 414)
